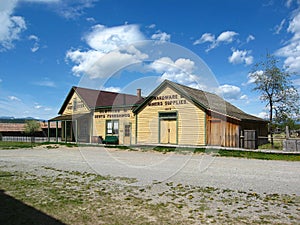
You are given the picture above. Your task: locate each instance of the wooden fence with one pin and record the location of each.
(28, 139)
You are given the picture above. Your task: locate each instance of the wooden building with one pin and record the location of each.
(172, 114)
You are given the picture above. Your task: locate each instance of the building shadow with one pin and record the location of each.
(15, 212)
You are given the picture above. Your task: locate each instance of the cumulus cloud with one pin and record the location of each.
(111, 48)
(229, 91)
(11, 26)
(161, 37)
(224, 37)
(240, 56)
(291, 51)
(106, 39)
(180, 70)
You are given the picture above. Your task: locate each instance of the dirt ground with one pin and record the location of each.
(155, 188)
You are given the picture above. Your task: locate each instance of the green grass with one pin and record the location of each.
(5, 145)
(257, 155)
(16, 145)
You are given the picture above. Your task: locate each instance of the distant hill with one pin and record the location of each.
(11, 119)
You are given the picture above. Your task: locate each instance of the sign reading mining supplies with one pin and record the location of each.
(167, 100)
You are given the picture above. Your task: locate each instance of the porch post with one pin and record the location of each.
(56, 132)
(48, 131)
(65, 131)
(76, 131)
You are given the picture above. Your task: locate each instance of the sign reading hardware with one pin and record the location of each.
(167, 100)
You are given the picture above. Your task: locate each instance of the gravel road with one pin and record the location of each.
(261, 176)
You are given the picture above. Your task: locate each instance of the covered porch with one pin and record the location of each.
(74, 128)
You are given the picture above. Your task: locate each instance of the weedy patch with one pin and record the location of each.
(73, 197)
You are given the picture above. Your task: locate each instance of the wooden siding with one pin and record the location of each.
(124, 116)
(78, 108)
(190, 119)
(222, 131)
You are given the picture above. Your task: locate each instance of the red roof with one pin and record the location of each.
(98, 98)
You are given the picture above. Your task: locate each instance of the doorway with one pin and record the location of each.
(168, 128)
(127, 134)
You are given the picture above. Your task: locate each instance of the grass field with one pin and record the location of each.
(70, 197)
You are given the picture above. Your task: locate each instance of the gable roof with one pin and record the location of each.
(205, 100)
(94, 99)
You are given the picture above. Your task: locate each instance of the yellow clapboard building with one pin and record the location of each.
(172, 114)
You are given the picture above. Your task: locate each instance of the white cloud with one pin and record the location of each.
(288, 3)
(229, 91)
(91, 20)
(250, 38)
(161, 37)
(291, 51)
(111, 50)
(240, 56)
(263, 115)
(251, 77)
(106, 39)
(38, 106)
(71, 9)
(14, 98)
(45, 83)
(11, 26)
(206, 37)
(244, 97)
(181, 70)
(152, 26)
(279, 27)
(112, 89)
(224, 37)
(36, 45)
(42, 1)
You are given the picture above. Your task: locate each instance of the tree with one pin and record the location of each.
(31, 127)
(276, 89)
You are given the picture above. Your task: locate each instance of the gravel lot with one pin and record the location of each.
(201, 170)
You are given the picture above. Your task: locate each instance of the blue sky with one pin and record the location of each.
(48, 46)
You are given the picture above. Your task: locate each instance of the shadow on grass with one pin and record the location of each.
(15, 212)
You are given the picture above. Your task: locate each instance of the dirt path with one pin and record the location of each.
(260, 176)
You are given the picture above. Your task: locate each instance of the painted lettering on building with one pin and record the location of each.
(112, 114)
(167, 100)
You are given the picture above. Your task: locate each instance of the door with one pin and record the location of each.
(215, 132)
(168, 131)
(127, 134)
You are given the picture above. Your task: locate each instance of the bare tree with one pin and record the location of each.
(276, 89)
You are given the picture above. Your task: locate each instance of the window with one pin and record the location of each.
(112, 127)
(168, 115)
(74, 104)
(127, 131)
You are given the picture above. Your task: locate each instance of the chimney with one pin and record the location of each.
(139, 93)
